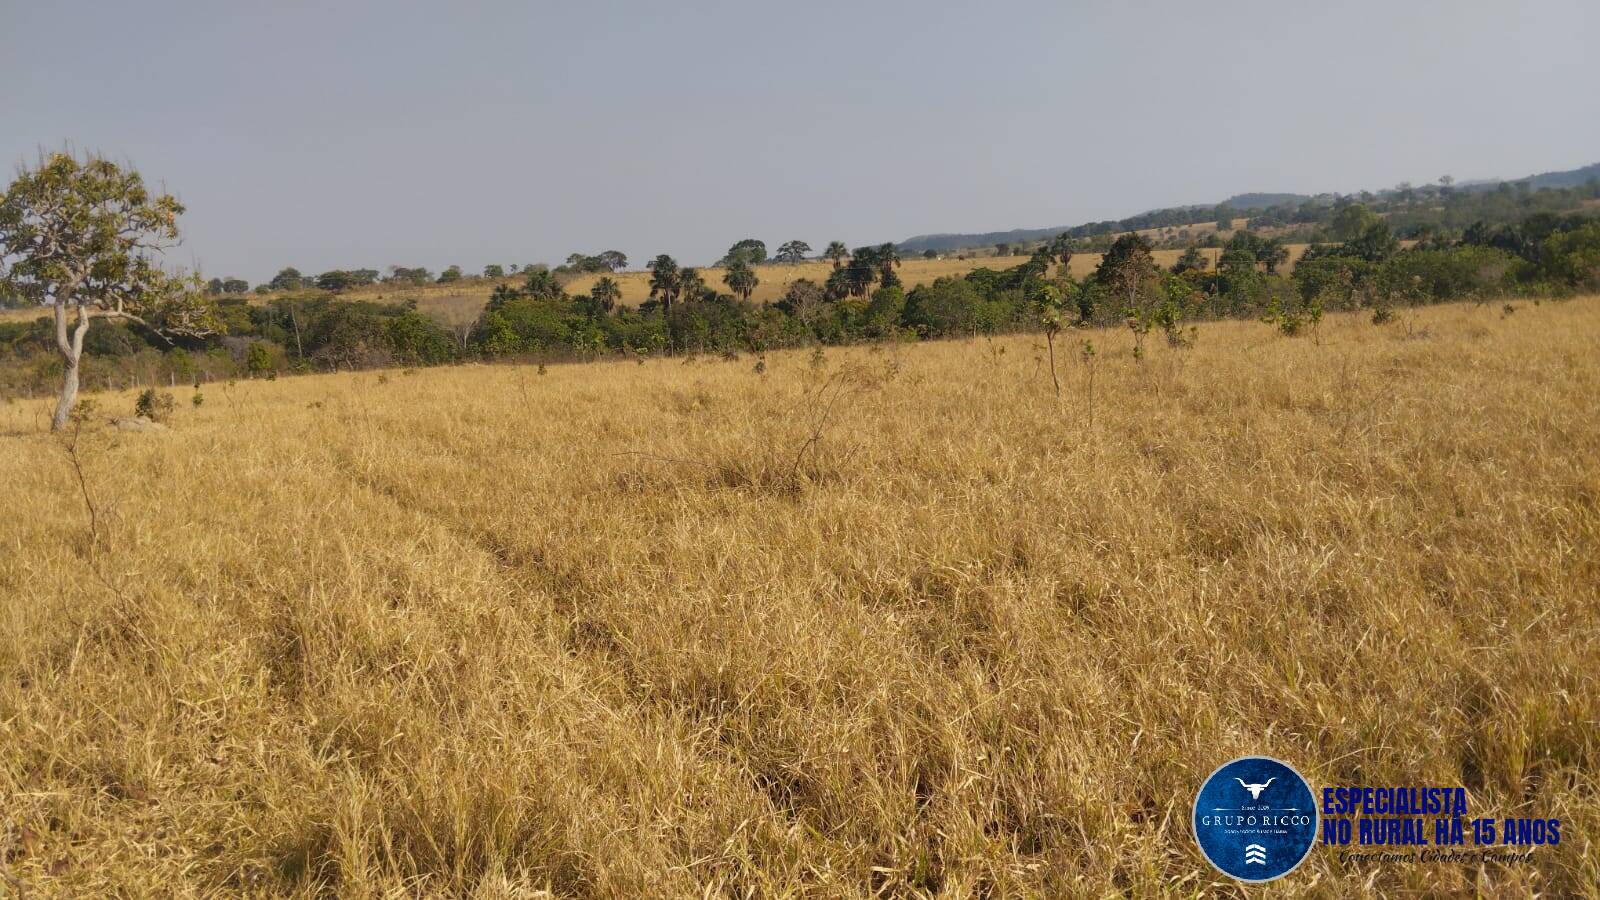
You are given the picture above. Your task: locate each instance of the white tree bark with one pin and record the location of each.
(71, 349)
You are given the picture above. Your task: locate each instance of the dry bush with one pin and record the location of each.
(595, 633)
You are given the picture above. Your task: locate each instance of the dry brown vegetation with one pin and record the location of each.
(893, 621)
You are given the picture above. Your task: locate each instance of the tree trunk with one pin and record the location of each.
(71, 348)
(294, 316)
(1050, 338)
(69, 396)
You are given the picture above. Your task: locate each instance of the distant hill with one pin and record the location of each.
(1238, 203)
(942, 242)
(1570, 178)
(1243, 202)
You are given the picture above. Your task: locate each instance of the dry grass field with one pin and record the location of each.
(891, 621)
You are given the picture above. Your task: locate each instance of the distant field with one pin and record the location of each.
(892, 621)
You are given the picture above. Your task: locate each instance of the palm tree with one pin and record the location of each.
(838, 286)
(690, 284)
(888, 257)
(741, 279)
(1061, 247)
(541, 285)
(665, 280)
(606, 293)
(862, 271)
(1274, 254)
(836, 252)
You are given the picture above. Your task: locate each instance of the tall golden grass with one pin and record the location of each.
(874, 621)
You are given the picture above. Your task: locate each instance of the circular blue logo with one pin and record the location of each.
(1255, 818)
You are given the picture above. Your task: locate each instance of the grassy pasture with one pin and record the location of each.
(893, 620)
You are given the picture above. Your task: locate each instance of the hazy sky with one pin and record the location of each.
(344, 134)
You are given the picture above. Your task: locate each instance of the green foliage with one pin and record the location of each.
(1569, 257)
(883, 314)
(453, 273)
(1192, 260)
(793, 252)
(1061, 247)
(741, 279)
(691, 284)
(409, 275)
(861, 271)
(1375, 244)
(607, 261)
(227, 286)
(605, 293)
(1351, 221)
(1288, 321)
(1180, 302)
(344, 279)
(1129, 272)
(413, 338)
(665, 280)
(258, 359)
(862, 299)
(1268, 252)
(1337, 281)
(541, 283)
(749, 251)
(85, 234)
(157, 406)
(1460, 273)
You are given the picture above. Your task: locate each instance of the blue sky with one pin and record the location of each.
(349, 134)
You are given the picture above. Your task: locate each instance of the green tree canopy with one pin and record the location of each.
(749, 251)
(84, 236)
(793, 251)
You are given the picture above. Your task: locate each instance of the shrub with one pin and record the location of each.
(154, 405)
(258, 359)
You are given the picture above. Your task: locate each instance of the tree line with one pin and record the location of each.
(81, 238)
(863, 299)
